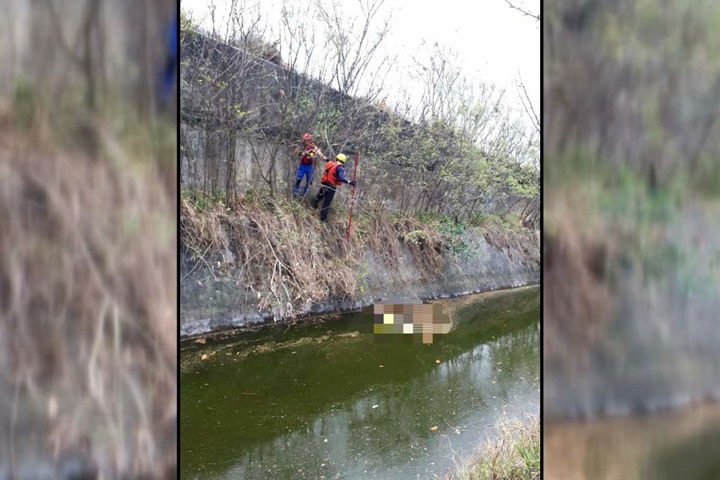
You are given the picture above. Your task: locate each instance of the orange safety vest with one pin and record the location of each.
(330, 174)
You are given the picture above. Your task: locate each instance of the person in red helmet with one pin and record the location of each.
(308, 154)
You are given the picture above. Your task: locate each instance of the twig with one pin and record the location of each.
(527, 104)
(524, 12)
(196, 265)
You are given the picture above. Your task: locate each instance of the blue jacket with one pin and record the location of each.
(340, 174)
(173, 37)
(167, 76)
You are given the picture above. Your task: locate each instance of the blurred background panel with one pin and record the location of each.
(631, 260)
(88, 235)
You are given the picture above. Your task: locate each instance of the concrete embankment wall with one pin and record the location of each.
(210, 301)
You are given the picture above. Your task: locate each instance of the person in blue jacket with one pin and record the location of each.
(168, 73)
(333, 177)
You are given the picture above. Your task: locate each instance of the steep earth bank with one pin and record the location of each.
(225, 289)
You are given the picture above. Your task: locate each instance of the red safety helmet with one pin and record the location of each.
(307, 137)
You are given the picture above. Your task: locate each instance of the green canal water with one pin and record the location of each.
(328, 400)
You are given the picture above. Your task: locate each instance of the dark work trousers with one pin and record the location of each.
(326, 194)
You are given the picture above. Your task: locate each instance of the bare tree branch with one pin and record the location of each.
(527, 104)
(523, 11)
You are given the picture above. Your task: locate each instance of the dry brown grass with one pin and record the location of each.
(577, 299)
(87, 306)
(288, 258)
(280, 251)
(381, 237)
(425, 245)
(385, 233)
(513, 455)
(518, 239)
(284, 254)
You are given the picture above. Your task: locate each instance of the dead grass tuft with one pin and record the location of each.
(513, 455)
(425, 245)
(511, 239)
(87, 305)
(381, 237)
(578, 301)
(281, 251)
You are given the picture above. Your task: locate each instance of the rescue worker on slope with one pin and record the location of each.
(307, 163)
(332, 178)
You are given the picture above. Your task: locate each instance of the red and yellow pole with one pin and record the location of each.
(352, 200)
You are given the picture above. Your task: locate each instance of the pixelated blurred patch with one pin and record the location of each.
(410, 317)
(381, 328)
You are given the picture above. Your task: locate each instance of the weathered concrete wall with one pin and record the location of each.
(200, 144)
(660, 347)
(209, 302)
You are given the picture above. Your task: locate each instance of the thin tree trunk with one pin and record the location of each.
(230, 177)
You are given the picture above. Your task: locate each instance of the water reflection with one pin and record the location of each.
(683, 444)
